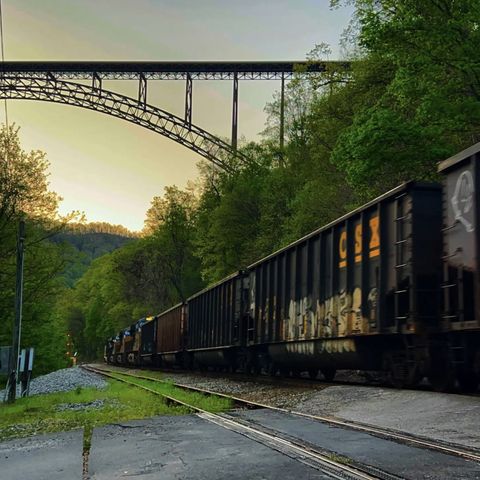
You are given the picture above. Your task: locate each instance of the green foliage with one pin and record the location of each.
(84, 246)
(426, 102)
(24, 194)
(140, 279)
(41, 327)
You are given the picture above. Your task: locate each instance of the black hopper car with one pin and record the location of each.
(392, 286)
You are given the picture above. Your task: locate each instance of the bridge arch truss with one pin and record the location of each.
(55, 82)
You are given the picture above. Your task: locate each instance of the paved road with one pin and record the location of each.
(186, 448)
(56, 456)
(191, 448)
(403, 460)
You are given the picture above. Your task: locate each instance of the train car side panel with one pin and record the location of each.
(457, 354)
(349, 291)
(217, 323)
(148, 342)
(461, 241)
(170, 335)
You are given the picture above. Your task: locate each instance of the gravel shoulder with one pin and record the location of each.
(63, 380)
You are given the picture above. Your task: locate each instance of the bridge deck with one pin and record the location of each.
(82, 70)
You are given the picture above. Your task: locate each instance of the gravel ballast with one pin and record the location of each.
(63, 380)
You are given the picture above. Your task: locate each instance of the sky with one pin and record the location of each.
(109, 168)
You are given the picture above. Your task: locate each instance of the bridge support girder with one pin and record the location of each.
(235, 112)
(282, 113)
(96, 81)
(136, 111)
(142, 90)
(188, 100)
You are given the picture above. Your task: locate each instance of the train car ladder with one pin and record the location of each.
(402, 262)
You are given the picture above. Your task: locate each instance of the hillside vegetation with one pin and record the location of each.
(88, 242)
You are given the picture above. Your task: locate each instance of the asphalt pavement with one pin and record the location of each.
(56, 456)
(187, 448)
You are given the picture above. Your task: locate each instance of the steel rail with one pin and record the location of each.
(293, 449)
(385, 433)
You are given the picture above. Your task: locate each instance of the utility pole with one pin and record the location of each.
(17, 329)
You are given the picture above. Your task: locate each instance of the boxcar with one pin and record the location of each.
(458, 349)
(171, 331)
(359, 293)
(216, 323)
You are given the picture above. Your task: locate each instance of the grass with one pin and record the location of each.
(210, 403)
(40, 414)
(335, 457)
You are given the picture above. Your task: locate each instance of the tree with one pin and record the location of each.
(172, 221)
(24, 194)
(23, 182)
(426, 106)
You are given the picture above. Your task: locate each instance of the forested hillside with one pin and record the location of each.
(88, 242)
(410, 98)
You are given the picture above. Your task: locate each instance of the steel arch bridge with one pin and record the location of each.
(52, 82)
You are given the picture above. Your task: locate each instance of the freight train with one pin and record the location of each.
(393, 286)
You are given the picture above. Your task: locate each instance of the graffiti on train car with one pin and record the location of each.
(341, 315)
(462, 200)
(344, 345)
(338, 316)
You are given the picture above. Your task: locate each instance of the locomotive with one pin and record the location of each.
(392, 286)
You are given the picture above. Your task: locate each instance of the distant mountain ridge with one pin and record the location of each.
(101, 227)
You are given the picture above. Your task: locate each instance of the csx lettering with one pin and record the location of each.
(358, 243)
(342, 249)
(374, 244)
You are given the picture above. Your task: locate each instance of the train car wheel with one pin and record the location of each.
(403, 376)
(328, 373)
(272, 369)
(442, 380)
(313, 373)
(296, 373)
(468, 381)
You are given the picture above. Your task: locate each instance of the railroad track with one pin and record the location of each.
(382, 432)
(295, 381)
(298, 449)
(333, 465)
